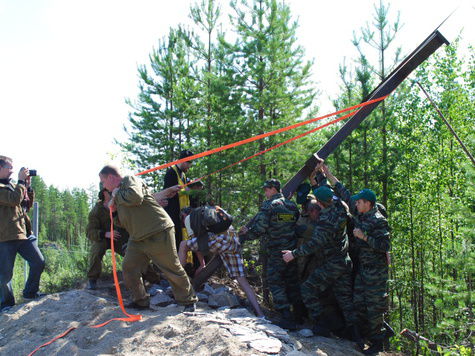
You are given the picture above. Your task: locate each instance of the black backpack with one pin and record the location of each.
(207, 219)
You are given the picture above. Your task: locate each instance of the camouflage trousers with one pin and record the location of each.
(332, 274)
(371, 300)
(283, 281)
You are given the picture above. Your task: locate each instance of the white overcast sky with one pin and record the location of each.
(66, 67)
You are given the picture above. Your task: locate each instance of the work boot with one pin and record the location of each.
(190, 308)
(134, 305)
(92, 284)
(300, 312)
(5, 309)
(321, 330)
(286, 320)
(375, 348)
(356, 337)
(33, 296)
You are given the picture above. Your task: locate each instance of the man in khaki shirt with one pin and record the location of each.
(151, 238)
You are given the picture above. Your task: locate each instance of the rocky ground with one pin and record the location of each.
(214, 329)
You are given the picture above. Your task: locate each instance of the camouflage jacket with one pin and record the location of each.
(374, 225)
(275, 223)
(304, 228)
(329, 237)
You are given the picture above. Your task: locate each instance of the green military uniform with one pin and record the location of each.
(151, 238)
(275, 224)
(304, 231)
(370, 289)
(330, 239)
(98, 224)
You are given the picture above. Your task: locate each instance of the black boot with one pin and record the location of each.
(320, 329)
(375, 348)
(300, 312)
(287, 320)
(356, 337)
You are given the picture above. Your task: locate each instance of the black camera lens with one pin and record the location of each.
(32, 172)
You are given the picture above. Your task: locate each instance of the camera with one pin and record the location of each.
(32, 172)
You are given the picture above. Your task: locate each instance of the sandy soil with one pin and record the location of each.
(162, 331)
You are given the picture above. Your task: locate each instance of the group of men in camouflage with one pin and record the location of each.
(328, 262)
(333, 257)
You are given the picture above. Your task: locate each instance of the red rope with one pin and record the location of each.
(258, 137)
(130, 317)
(274, 147)
(53, 340)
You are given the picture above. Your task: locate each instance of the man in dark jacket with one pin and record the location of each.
(14, 235)
(176, 175)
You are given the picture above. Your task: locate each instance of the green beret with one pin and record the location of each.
(366, 194)
(323, 193)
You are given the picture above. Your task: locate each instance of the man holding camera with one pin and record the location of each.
(15, 234)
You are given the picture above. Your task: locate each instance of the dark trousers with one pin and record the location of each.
(28, 249)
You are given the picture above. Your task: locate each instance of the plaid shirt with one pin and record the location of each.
(227, 246)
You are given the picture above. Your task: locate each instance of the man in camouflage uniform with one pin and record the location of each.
(372, 244)
(329, 237)
(275, 225)
(98, 232)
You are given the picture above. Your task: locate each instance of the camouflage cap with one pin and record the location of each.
(366, 194)
(272, 183)
(323, 193)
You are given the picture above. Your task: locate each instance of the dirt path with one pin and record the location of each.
(162, 331)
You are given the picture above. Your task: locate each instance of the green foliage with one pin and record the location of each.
(62, 237)
(62, 214)
(202, 90)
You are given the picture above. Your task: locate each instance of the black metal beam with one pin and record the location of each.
(392, 81)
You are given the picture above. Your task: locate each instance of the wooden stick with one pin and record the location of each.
(465, 149)
(413, 336)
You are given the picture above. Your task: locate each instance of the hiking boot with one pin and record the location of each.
(375, 348)
(190, 308)
(33, 296)
(134, 305)
(321, 330)
(356, 337)
(287, 320)
(92, 284)
(5, 309)
(300, 312)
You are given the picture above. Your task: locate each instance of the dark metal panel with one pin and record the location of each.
(392, 81)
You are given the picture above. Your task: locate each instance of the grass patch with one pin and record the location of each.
(65, 268)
